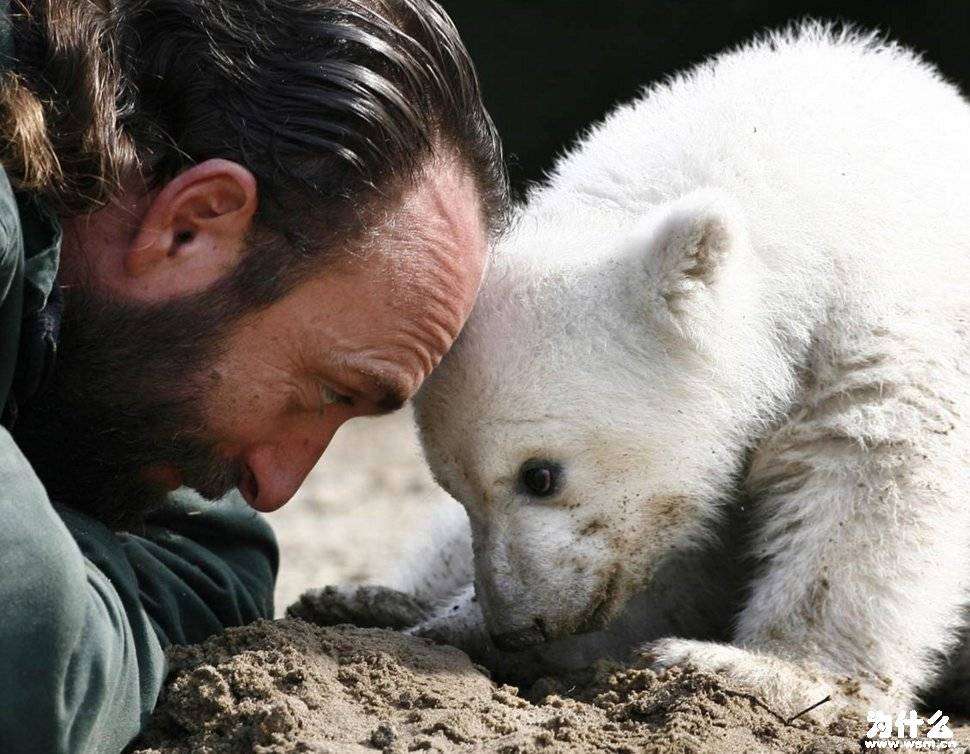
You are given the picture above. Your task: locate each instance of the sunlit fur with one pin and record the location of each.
(747, 287)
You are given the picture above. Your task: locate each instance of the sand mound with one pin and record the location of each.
(289, 686)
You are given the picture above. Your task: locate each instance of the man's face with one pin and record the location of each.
(358, 340)
(148, 398)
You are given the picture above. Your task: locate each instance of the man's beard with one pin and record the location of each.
(128, 393)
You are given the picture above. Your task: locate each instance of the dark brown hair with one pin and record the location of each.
(334, 105)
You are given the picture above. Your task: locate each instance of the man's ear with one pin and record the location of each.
(193, 232)
(690, 243)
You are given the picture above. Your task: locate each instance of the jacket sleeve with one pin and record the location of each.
(203, 566)
(87, 613)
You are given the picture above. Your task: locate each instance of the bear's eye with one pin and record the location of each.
(539, 478)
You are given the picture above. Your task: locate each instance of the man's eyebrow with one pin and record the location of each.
(388, 395)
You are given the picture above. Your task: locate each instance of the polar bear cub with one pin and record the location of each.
(744, 293)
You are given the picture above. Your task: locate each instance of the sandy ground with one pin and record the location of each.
(289, 686)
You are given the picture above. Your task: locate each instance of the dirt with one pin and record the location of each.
(290, 686)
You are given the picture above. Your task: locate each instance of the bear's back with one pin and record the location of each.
(834, 144)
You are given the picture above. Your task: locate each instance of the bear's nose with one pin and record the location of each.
(512, 641)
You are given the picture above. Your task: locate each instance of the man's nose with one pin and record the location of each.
(273, 473)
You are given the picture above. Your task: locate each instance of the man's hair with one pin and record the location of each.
(336, 106)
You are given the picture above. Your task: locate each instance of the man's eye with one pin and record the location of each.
(330, 397)
(540, 478)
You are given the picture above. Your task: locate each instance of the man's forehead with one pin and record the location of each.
(432, 257)
(408, 293)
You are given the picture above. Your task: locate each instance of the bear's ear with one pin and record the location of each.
(689, 246)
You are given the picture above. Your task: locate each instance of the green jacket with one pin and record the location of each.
(87, 612)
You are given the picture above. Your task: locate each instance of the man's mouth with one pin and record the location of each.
(212, 482)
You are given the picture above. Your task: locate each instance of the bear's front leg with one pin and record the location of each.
(862, 543)
(457, 621)
(364, 606)
(788, 689)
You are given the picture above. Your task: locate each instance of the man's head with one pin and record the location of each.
(287, 229)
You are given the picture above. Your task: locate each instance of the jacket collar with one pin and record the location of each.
(41, 323)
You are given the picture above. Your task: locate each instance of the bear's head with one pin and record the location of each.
(594, 409)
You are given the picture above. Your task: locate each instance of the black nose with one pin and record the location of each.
(512, 641)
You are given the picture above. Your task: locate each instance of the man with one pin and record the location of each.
(226, 227)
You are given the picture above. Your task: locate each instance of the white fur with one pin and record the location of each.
(748, 288)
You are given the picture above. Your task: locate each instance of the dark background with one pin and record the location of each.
(549, 68)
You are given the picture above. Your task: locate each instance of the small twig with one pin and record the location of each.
(809, 709)
(756, 702)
